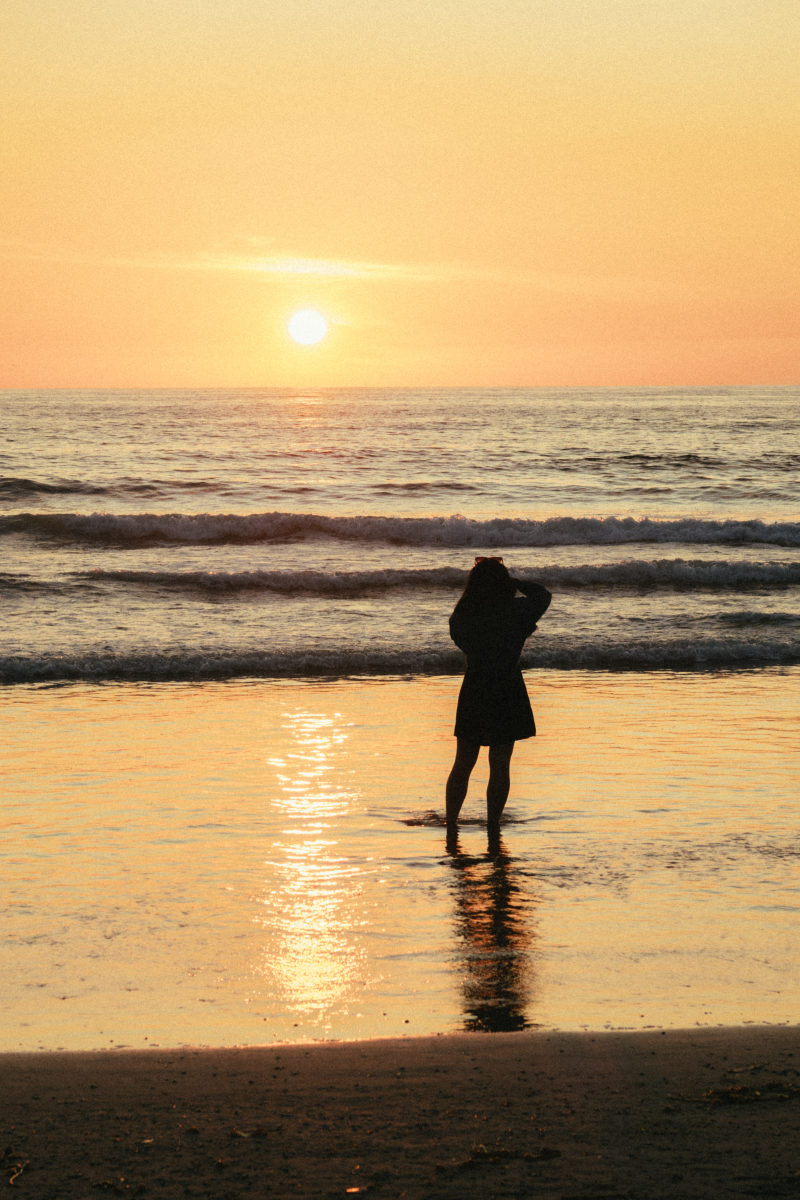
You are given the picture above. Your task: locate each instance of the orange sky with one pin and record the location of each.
(522, 192)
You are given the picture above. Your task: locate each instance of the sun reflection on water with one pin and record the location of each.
(311, 903)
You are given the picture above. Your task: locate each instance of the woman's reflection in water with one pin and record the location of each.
(494, 939)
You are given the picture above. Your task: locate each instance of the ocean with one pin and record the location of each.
(297, 554)
(214, 535)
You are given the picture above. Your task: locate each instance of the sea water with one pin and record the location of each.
(213, 535)
(228, 686)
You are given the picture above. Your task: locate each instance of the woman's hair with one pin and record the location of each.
(489, 586)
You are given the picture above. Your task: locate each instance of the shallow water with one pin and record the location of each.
(251, 861)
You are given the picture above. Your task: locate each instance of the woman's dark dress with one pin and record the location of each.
(493, 705)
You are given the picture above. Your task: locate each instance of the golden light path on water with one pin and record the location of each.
(258, 861)
(309, 898)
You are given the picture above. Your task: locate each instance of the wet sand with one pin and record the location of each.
(703, 1113)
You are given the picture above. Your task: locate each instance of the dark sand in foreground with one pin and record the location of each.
(704, 1113)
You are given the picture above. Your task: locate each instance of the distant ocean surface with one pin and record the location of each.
(211, 535)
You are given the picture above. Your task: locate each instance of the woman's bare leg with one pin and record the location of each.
(499, 780)
(458, 779)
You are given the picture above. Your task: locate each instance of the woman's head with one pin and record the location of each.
(489, 582)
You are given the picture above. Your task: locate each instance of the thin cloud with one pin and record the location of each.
(318, 268)
(251, 261)
(242, 262)
(433, 273)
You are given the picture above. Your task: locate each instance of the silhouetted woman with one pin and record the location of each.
(490, 624)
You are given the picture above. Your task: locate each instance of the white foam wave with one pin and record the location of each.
(456, 531)
(675, 574)
(326, 583)
(677, 654)
(198, 665)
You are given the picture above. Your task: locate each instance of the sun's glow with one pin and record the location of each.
(307, 327)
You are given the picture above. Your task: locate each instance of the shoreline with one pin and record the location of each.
(660, 1113)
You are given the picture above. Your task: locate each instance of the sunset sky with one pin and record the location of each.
(522, 192)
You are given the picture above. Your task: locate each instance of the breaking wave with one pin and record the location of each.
(19, 488)
(138, 529)
(201, 665)
(661, 574)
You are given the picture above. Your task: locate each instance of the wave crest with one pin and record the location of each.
(660, 574)
(456, 531)
(14, 487)
(201, 665)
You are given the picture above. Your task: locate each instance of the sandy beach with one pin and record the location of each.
(690, 1114)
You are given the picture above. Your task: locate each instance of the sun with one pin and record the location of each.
(307, 327)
